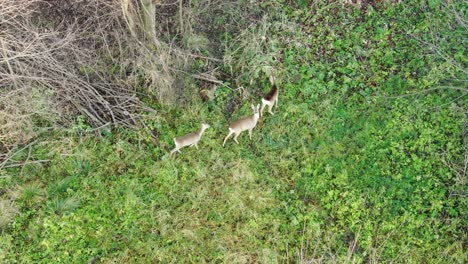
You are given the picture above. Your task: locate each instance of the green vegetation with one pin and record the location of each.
(364, 161)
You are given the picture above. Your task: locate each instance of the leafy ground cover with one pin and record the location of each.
(363, 161)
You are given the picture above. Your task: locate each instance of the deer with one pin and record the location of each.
(190, 139)
(270, 99)
(245, 123)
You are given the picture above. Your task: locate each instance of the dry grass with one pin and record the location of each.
(18, 110)
(153, 56)
(8, 212)
(251, 54)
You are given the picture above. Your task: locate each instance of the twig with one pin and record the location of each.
(25, 163)
(433, 47)
(2, 165)
(208, 79)
(203, 57)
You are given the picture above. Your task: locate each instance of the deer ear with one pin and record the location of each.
(252, 106)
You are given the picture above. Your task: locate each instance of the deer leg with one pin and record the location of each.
(269, 109)
(177, 147)
(173, 151)
(250, 134)
(226, 138)
(261, 109)
(196, 146)
(235, 138)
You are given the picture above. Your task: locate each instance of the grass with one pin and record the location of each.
(343, 172)
(253, 202)
(8, 212)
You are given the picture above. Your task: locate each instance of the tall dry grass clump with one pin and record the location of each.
(153, 57)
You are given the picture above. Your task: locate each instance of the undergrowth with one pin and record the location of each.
(364, 160)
